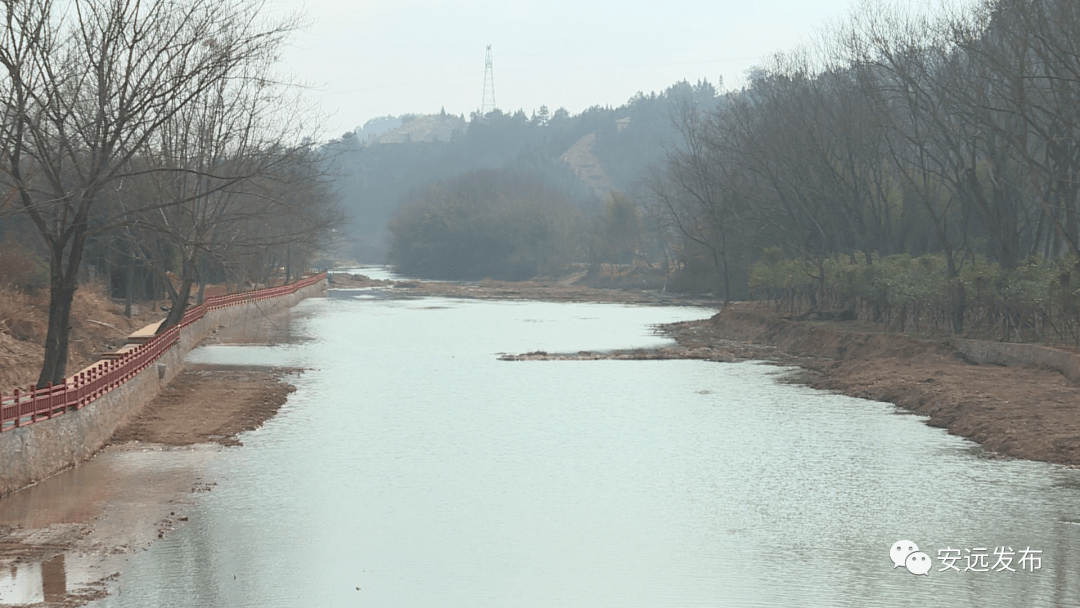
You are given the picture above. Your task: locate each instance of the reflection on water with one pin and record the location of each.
(34, 583)
(412, 468)
(125, 480)
(121, 492)
(53, 579)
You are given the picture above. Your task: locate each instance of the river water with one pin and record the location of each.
(412, 468)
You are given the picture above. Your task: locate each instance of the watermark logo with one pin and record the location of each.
(919, 563)
(984, 559)
(979, 559)
(906, 553)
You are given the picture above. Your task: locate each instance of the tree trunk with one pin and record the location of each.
(57, 338)
(179, 307)
(129, 285)
(819, 262)
(721, 274)
(288, 263)
(959, 304)
(62, 285)
(188, 272)
(957, 295)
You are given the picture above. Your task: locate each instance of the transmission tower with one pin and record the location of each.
(488, 104)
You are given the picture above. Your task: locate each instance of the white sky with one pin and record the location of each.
(368, 58)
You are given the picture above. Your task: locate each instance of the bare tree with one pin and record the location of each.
(285, 218)
(89, 87)
(697, 191)
(1026, 69)
(908, 69)
(224, 167)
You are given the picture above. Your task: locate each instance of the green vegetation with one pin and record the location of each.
(1036, 300)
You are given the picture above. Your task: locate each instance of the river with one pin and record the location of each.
(412, 468)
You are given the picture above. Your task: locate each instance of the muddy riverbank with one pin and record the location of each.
(1019, 412)
(1023, 412)
(75, 530)
(63, 539)
(206, 404)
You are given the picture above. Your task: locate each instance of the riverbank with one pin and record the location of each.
(1024, 412)
(1028, 412)
(73, 533)
(63, 539)
(243, 399)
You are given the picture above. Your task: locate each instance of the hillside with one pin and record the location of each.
(98, 325)
(587, 167)
(417, 129)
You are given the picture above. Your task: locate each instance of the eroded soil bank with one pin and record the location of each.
(1019, 412)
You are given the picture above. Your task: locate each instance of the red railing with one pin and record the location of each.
(83, 388)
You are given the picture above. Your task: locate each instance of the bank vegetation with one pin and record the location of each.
(921, 168)
(153, 144)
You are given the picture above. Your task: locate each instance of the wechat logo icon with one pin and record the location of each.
(906, 553)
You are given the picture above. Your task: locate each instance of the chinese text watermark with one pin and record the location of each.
(978, 559)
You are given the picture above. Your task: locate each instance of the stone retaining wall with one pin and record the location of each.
(34, 452)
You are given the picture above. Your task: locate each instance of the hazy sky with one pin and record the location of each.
(369, 58)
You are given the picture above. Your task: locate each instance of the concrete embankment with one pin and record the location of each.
(36, 451)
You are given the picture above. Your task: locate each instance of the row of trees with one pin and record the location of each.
(955, 134)
(159, 130)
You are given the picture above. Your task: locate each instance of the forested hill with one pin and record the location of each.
(388, 158)
(921, 170)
